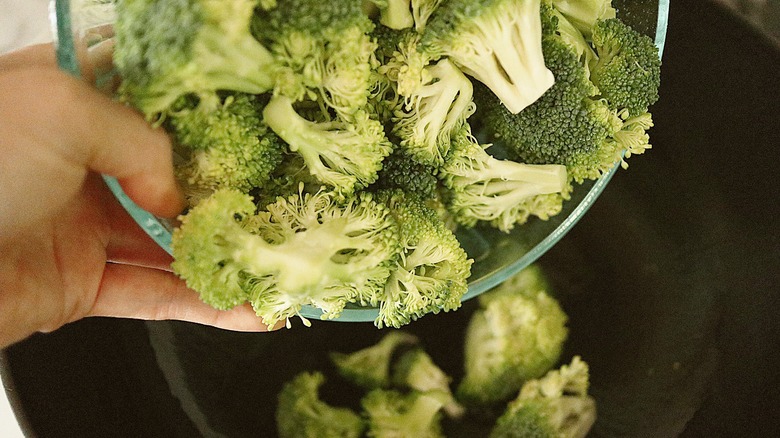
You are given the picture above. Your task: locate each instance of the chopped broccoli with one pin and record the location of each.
(369, 368)
(432, 273)
(393, 414)
(169, 48)
(305, 249)
(584, 14)
(516, 334)
(300, 413)
(224, 143)
(628, 69)
(501, 192)
(404, 14)
(416, 370)
(554, 406)
(498, 42)
(401, 171)
(345, 156)
(324, 51)
(432, 111)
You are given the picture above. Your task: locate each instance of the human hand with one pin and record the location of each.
(68, 250)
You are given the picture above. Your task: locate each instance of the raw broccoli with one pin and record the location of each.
(515, 335)
(323, 49)
(393, 414)
(498, 42)
(224, 143)
(432, 111)
(404, 14)
(628, 69)
(300, 413)
(345, 156)
(432, 273)
(401, 171)
(501, 192)
(169, 48)
(369, 368)
(306, 249)
(584, 14)
(554, 406)
(416, 370)
(588, 146)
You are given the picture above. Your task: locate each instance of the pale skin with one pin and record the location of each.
(68, 250)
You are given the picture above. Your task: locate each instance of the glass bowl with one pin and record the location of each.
(80, 25)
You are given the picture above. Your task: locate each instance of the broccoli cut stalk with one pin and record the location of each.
(416, 370)
(498, 42)
(168, 48)
(392, 414)
(584, 14)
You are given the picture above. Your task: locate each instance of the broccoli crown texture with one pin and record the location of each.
(370, 368)
(517, 334)
(168, 48)
(300, 413)
(497, 42)
(401, 171)
(393, 414)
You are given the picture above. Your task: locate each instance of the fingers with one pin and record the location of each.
(149, 294)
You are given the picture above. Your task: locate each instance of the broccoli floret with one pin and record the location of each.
(404, 14)
(584, 14)
(300, 413)
(307, 249)
(369, 368)
(169, 48)
(345, 156)
(500, 192)
(432, 111)
(393, 414)
(554, 406)
(401, 171)
(569, 125)
(323, 49)
(515, 335)
(628, 70)
(416, 370)
(497, 42)
(224, 143)
(432, 273)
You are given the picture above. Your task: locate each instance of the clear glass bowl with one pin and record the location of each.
(79, 25)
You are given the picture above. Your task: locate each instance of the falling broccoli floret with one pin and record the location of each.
(500, 192)
(516, 334)
(401, 171)
(345, 156)
(300, 413)
(168, 48)
(370, 367)
(393, 414)
(306, 249)
(432, 273)
(497, 42)
(554, 406)
(416, 370)
(224, 143)
(324, 51)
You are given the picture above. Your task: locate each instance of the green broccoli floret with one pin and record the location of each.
(401, 171)
(404, 14)
(497, 42)
(224, 143)
(323, 49)
(369, 368)
(307, 249)
(393, 414)
(500, 192)
(516, 334)
(432, 273)
(628, 70)
(169, 48)
(584, 14)
(416, 370)
(432, 111)
(345, 156)
(300, 413)
(554, 406)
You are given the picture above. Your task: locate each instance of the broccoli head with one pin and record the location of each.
(169, 48)
(497, 42)
(301, 413)
(401, 171)
(369, 368)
